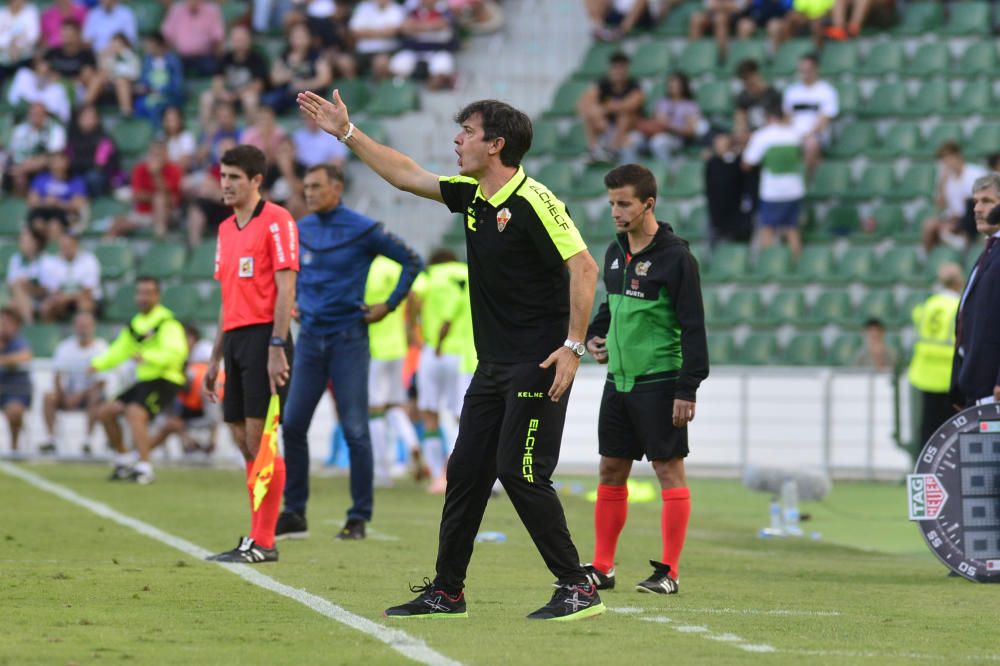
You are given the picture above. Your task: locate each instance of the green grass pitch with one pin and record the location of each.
(77, 588)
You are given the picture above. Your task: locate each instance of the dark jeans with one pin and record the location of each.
(342, 359)
(509, 430)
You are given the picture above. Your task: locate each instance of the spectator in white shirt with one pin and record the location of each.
(72, 280)
(24, 274)
(812, 104)
(375, 26)
(181, 144)
(428, 37)
(40, 83)
(20, 30)
(955, 224)
(106, 20)
(314, 146)
(74, 388)
(30, 144)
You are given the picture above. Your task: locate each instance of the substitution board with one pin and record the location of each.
(954, 493)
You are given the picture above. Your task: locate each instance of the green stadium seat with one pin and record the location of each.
(566, 97)
(573, 143)
(744, 49)
(975, 98)
(729, 262)
(201, 264)
(595, 61)
(849, 95)
(968, 18)
(108, 331)
(876, 181)
(919, 18)
(183, 300)
(983, 140)
(786, 60)
(7, 250)
(888, 99)
(698, 58)
(877, 304)
(212, 305)
(107, 207)
(163, 261)
(902, 139)
(691, 227)
(149, 15)
(856, 264)
(933, 97)
(804, 349)
(557, 176)
(545, 137)
(854, 139)
(721, 349)
(832, 179)
(840, 58)
(831, 307)
(687, 182)
(978, 58)
(590, 183)
(816, 264)
(899, 265)
(773, 263)
(884, 58)
(651, 59)
(233, 11)
(116, 260)
(917, 183)
(43, 338)
(15, 215)
(759, 348)
(741, 307)
(890, 221)
(677, 21)
(356, 93)
(121, 306)
(938, 256)
(929, 59)
(132, 136)
(712, 304)
(845, 347)
(788, 306)
(715, 98)
(946, 131)
(904, 313)
(393, 98)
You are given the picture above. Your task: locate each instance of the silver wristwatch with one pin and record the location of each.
(577, 348)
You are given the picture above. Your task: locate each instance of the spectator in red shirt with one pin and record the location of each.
(156, 191)
(196, 31)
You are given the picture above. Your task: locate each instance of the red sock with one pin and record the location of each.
(253, 514)
(609, 519)
(674, 524)
(267, 515)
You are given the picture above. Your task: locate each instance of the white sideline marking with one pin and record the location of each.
(627, 610)
(856, 654)
(691, 629)
(704, 632)
(406, 645)
(756, 648)
(656, 618)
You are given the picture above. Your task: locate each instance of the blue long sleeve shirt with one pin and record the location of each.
(336, 249)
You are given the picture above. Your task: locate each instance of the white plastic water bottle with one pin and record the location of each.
(790, 500)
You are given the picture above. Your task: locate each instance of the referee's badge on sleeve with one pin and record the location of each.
(246, 267)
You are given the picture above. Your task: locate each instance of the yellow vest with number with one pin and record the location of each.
(934, 320)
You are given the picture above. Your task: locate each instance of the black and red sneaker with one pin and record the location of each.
(433, 603)
(571, 602)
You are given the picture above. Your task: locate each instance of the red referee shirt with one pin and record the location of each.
(246, 260)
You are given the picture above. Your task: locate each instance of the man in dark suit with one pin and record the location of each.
(975, 377)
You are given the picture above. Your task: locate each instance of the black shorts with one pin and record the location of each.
(155, 395)
(248, 389)
(639, 423)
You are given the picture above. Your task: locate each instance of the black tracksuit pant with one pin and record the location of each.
(511, 430)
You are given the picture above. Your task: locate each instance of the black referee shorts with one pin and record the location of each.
(247, 387)
(640, 422)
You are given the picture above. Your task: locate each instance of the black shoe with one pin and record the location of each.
(142, 478)
(353, 529)
(120, 473)
(602, 581)
(432, 603)
(87, 451)
(247, 552)
(571, 602)
(660, 582)
(291, 525)
(47, 449)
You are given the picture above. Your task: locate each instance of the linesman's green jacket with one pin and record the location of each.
(158, 338)
(653, 318)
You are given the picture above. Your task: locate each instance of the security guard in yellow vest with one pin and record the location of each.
(930, 369)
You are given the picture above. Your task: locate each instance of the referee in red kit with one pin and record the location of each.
(256, 259)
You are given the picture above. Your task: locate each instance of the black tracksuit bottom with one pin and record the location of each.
(511, 430)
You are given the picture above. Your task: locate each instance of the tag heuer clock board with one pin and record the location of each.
(954, 493)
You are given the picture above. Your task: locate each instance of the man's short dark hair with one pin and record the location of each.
(8, 311)
(619, 58)
(157, 38)
(993, 161)
(874, 322)
(747, 67)
(641, 179)
(248, 159)
(192, 329)
(441, 255)
(333, 172)
(501, 120)
(812, 57)
(949, 148)
(150, 279)
(71, 22)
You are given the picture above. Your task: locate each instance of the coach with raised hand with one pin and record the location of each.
(531, 285)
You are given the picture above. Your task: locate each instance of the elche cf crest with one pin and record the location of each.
(503, 217)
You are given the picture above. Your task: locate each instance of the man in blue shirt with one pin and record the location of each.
(15, 380)
(336, 248)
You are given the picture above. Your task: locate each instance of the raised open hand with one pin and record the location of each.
(330, 115)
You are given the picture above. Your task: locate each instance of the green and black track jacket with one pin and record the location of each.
(653, 318)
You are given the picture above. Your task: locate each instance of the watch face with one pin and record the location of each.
(954, 493)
